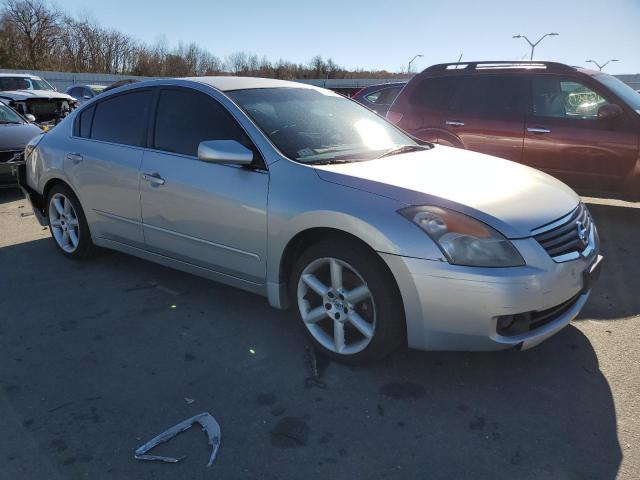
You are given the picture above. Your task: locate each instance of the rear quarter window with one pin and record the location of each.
(83, 122)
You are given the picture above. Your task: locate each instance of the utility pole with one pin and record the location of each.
(600, 67)
(411, 61)
(533, 45)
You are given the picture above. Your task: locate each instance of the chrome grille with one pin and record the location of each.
(568, 237)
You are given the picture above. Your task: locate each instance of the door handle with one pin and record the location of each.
(153, 178)
(538, 130)
(75, 157)
(454, 123)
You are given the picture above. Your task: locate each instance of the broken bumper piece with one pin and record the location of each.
(209, 425)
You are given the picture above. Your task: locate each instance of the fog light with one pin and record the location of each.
(505, 323)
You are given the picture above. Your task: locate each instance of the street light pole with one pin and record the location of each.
(411, 61)
(534, 45)
(600, 67)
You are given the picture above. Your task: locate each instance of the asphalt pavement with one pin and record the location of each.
(98, 357)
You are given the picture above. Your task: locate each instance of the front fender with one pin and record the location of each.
(300, 200)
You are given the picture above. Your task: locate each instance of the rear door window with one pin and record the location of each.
(491, 95)
(123, 118)
(433, 93)
(187, 117)
(385, 96)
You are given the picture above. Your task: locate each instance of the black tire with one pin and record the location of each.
(390, 327)
(85, 247)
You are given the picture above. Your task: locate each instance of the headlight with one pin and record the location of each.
(31, 146)
(464, 240)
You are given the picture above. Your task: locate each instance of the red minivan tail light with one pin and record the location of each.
(394, 117)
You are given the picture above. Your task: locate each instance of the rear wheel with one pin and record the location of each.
(67, 223)
(347, 301)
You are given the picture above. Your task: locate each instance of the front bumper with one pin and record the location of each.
(9, 172)
(449, 307)
(34, 198)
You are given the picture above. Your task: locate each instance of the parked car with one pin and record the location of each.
(120, 83)
(378, 97)
(303, 196)
(32, 95)
(82, 93)
(581, 126)
(15, 133)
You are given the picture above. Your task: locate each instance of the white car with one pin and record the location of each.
(32, 95)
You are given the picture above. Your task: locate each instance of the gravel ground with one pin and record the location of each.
(98, 357)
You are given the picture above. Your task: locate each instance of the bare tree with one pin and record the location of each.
(36, 23)
(35, 35)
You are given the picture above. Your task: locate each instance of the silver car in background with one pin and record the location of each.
(303, 196)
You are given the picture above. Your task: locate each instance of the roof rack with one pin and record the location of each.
(501, 65)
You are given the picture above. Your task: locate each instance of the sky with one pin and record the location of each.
(384, 34)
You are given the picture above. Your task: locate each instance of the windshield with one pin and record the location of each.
(627, 94)
(24, 83)
(314, 126)
(7, 115)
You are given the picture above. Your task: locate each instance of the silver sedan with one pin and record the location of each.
(303, 196)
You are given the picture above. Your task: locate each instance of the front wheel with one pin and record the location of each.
(347, 301)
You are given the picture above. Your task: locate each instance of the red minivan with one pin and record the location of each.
(581, 126)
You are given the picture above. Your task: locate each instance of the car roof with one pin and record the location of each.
(227, 84)
(493, 66)
(21, 75)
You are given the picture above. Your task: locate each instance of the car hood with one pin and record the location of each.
(27, 94)
(512, 198)
(16, 137)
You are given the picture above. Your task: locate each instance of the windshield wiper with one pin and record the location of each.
(333, 162)
(403, 149)
(10, 123)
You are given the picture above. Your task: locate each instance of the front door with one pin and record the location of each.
(565, 138)
(210, 215)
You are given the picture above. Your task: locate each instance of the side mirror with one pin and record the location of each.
(224, 151)
(609, 112)
(30, 118)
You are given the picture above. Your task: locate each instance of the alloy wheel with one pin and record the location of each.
(64, 223)
(336, 306)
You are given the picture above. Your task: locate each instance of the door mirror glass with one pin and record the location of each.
(609, 112)
(30, 118)
(224, 151)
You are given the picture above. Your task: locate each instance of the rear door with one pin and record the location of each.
(565, 138)
(421, 105)
(487, 115)
(103, 162)
(205, 214)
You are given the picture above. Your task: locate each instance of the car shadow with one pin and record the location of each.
(129, 339)
(10, 194)
(615, 295)
(543, 413)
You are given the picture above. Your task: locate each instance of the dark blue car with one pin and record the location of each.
(379, 97)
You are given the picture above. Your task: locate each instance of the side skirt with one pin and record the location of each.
(257, 288)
